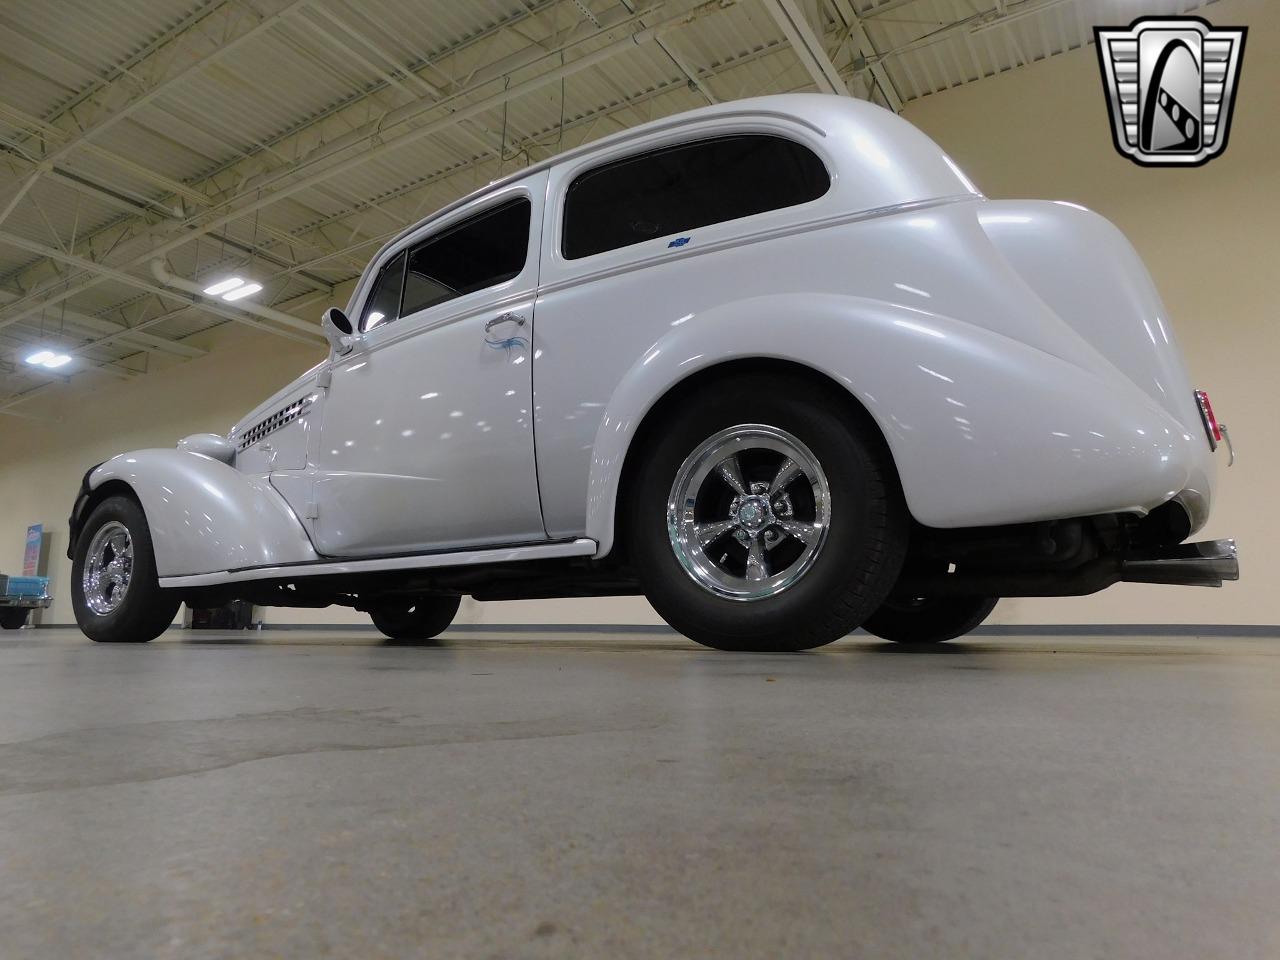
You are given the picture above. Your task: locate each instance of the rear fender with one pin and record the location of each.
(983, 429)
(1090, 276)
(206, 516)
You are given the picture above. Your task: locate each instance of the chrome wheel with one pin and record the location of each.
(108, 568)
(748, 512)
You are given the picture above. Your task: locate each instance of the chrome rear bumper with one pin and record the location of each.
(1203, 564)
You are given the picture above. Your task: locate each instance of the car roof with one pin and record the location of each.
(895, 162)
(814, 110)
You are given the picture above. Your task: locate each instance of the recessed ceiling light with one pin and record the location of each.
(248, 290)
(48, 359)
(222, 286)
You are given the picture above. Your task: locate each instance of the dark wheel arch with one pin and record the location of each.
(87, 501)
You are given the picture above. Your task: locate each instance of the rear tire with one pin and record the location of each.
(422, 619)
(13, 618)
(926, 620)
(115, 592)
(797, 565)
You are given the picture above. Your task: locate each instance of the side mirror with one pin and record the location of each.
(337, 330)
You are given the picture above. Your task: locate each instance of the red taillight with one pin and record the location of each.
(1210, 421)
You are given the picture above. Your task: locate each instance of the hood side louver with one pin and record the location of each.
(272, 423)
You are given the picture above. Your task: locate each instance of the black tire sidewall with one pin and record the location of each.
(865, 542)
(935, 621)
(146, 609)
(14, 618)
(430, 617)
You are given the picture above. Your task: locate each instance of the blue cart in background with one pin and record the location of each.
(19, 596)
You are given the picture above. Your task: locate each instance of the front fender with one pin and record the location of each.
(206, 516)
(983, 429)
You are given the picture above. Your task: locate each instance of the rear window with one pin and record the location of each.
(686, 186)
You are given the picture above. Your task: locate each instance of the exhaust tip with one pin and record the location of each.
(1204, 564)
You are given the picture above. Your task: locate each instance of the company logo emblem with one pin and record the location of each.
(1171, 86)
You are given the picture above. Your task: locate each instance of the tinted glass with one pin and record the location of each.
(383, 304)
(481, 252)
(687, 186)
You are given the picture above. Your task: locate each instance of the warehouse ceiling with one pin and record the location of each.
(286, 140)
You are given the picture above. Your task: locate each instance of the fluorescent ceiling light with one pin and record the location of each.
(248, 290)
(222, 286)
(48, 359)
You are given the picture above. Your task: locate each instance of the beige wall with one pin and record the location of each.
(1208, 236)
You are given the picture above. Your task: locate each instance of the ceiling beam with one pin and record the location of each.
(807, 46)
(145, 232)
(992, 18)
(215, 48)
(160, 271)
(862, 41)
(148, 207)
(120, 276)
(21, 192)
(378, 143)
(119, 331)
(691, 73)
(888, 6)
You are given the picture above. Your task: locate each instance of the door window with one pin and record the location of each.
(383, 304)
(686, 186)
(480, 252)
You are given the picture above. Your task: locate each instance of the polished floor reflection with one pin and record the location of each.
(631, 795)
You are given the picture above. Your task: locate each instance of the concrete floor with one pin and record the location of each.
(315, 795)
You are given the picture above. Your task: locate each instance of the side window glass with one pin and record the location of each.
(482, 251)
(383, 303)
(687, 186)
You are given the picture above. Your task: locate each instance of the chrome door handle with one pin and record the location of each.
(504, 318)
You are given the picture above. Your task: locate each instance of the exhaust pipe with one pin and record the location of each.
(1203, 564)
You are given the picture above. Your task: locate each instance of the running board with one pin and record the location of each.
(327, 568)
(1203, 564)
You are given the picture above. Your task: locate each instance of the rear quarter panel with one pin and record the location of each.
(996, 410)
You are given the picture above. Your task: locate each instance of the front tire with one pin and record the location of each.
(115, 592)
(929, 620)
(13, 618)
(422, 619)
(766, 516)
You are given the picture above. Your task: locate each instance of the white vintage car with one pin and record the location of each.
(777, 364)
